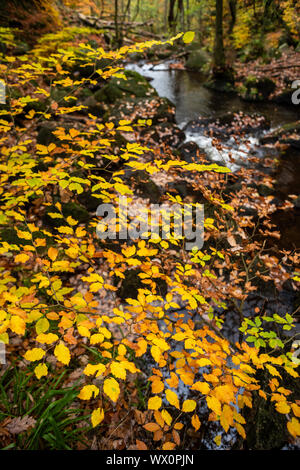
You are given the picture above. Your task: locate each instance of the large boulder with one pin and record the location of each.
(197, 60)
(256, 88)
(119, 88)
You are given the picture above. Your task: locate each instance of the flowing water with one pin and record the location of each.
(193, 100)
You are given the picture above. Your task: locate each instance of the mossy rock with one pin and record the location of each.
(267, 429)
(197, 59)
(21, 48)
(89, 202)
(264, 190)
(73, 209)
(118, 88)
(257, 89)
(222, 81)
(148, 189)
(9, 235)
(164, 112)
(92, 106)
(285, 97)
(77, 211)
(136, 56)
(58, 94)
(45, 132)
(132, 283)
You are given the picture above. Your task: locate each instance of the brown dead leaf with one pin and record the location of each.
(20, 424)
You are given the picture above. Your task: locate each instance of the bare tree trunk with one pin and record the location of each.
(171, 16)
(127, 11)
(232, 8)
(118, 37)
(219, 56)
(165, 14)
(181, 13)
(137, 11)
(188, 18)
(102, 8)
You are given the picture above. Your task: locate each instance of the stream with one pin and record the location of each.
(193, 100)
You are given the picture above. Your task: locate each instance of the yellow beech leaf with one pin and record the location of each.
(41, 370)
(217, 440)
(283, 407)
(52, 253)
(111, 389)
(240, 430)
(272, 370)
(88, 391)
(42, 325)
(188, 37)
(172, 398)
(203, 362)
(91, 369)
(17, 325)
(71, 221)
(97, 417)
(62, 353)
(178, 426)
(294, 427)
(173, 381)
(166, 417)
(156, 353)
(154, 403)
(157, 386)
(21, 258)
(158, 418)
(34, 354)
(202, 387)
(48, 338)
(195, 422)
(214, 404)
(122, 350)
(169, 446)
(97, 338)
(118, 370)
(84, 331)
(296, 410)
(224, 393)
(188, 406)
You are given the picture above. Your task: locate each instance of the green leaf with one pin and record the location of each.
(42, 325)
(258, 321)
(250, 339)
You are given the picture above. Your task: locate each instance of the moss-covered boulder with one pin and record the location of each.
(197, 60)
(130, 285)
(119, 88)
(257, 88)
(221, 80)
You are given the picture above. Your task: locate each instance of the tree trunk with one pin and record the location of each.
(171, 17)
(118, 37)
(219, 56)
(181, 14)
(188, 18)
(232, 8)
